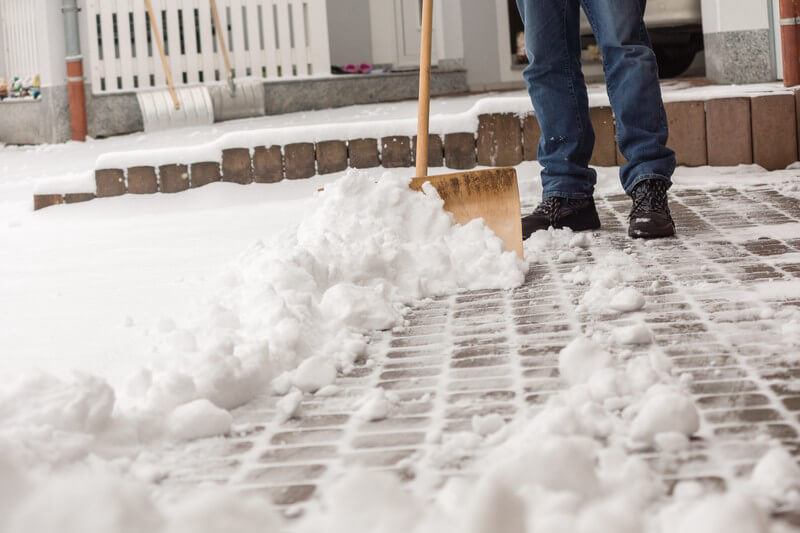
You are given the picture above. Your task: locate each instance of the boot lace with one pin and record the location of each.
(550, 207)
(650, 197)
(554, 207)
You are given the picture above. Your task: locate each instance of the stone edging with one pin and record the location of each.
(718, 132)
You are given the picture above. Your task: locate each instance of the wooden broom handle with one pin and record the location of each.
(221, 39)
(423, 116)
(161, 52)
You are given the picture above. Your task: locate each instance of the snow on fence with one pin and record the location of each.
(18, 38)
(270, 39)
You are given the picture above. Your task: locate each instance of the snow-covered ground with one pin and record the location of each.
(178, 309)
(181, 285)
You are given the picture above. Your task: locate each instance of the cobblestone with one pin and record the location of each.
(484, 352)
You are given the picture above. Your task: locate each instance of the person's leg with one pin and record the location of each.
(558, 92)
(635, 93)
(633, 88)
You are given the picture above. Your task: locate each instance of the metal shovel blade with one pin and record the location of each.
(491, 194)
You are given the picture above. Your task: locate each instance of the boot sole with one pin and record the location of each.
(651, 235)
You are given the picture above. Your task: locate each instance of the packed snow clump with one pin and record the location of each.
(580, 360)
(626, 300)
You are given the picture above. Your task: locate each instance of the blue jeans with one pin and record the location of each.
(558, 92)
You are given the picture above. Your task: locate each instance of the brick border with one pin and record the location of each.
(726, 131)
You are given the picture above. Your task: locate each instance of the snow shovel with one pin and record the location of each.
(240, 100)
(178, 107)
(491, 194)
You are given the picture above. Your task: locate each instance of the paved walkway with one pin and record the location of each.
(496, 352)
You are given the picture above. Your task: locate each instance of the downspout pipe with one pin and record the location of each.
(75, 83)
(790, 41)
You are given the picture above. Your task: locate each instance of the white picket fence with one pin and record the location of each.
(270, 39)
(18, 43)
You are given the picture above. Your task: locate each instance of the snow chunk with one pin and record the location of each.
(199, 419)
(314, 373)
(288, 406)
(82, 405)
(664, 412)
(626, 300)
(223, 512)
(362, 307)
(671, 442)
(494, 508)
(375, 405)
(777, 475)
(106, 503)
(719, 513)
(581, 240)
(580, 359)
(558, 464)
(638, 333)
(282, 384)
(328, 390)
(567, 257)
(486, 425)
(364, 502)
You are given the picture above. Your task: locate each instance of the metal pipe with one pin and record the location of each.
(75, 83)
(790, 41)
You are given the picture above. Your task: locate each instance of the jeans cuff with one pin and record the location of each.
(638, 179)
(568, 195)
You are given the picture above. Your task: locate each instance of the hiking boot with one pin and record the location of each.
(576, 214)
(650, 217)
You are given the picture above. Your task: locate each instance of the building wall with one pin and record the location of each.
(481, 53)
(52, 66)
(349, 31)
(739, 41)
(2, 58)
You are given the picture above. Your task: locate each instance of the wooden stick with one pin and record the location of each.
(423, 116)
(221, 36)
(163, 56)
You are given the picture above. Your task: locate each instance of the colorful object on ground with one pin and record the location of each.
(20, 88)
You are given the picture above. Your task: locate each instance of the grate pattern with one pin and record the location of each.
(485, 352)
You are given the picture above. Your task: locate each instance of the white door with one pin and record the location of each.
(396, 31)
(407, 19)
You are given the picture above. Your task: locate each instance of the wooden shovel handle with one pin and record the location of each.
(157, 36)
(221, 37)
(423, 116)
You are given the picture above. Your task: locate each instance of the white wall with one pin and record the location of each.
(349, 32)
(2, 55)
(481, 53)
(738, 15)
(451, 34)
(52, 66)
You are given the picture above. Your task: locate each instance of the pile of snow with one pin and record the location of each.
(291, 313)
(294, 309)
(571, 465)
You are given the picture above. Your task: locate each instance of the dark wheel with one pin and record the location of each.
(675, 57)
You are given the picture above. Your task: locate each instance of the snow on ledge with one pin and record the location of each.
(441, 124)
